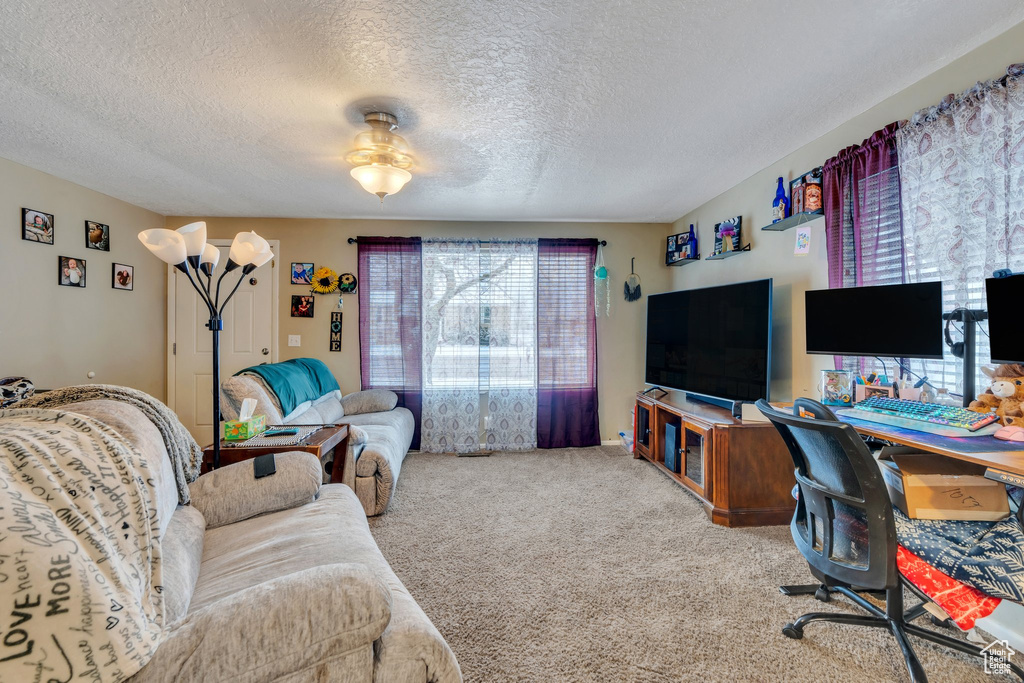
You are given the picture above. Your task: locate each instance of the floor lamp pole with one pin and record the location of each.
(216, 324)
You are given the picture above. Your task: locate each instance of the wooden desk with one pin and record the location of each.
(318, 443)
(981, 450)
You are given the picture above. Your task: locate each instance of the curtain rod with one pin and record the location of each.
(353, 240)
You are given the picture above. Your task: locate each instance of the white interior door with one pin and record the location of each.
(248, 338)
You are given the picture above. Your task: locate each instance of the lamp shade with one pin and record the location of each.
(210, 255)
(246, 247)
(263, 257)
(195, 237)
(166, 245)
(381, 180)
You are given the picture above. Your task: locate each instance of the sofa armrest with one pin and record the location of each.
(233, 493)
(369, 401)
(287, 625)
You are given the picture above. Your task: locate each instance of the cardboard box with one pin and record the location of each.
(239, 430)
(931, 486)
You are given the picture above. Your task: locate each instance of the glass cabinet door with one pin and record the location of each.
(694, 463)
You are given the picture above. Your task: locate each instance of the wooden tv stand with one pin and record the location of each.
(741, 471)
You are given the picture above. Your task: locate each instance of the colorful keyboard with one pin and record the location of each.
(915, 411)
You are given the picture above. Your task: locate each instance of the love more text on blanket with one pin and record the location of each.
(80, 567)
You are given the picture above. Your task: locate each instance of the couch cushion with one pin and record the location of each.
(237, 389)
(369, 401)
(331, 530)
(143, 436)
(182, 553)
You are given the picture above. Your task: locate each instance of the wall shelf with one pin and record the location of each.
(795, 220)
(684, 261)
(728, 254)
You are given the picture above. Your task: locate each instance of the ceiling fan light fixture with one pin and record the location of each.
(381, 159)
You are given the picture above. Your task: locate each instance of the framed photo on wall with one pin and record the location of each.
(36, 226)
(302, 306)
(97, 236)
(70, 271)
(122, 276)
(302, 274)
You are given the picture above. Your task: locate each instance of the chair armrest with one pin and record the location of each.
(233, 493)
(283, 626)
(369, 401)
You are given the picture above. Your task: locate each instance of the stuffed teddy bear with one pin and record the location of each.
(1006, 394)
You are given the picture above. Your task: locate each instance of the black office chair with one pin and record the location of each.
(844, 527)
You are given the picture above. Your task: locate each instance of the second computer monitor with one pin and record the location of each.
(904, 321)
(1005, 320)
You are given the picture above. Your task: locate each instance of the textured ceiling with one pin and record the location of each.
(544, 110)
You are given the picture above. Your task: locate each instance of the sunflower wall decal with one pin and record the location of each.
(324, 281)
(346, 283)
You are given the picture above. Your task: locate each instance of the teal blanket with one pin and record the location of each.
(295, 381)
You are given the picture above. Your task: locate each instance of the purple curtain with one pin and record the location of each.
(863, 221)
(390, 329)
(566, 344)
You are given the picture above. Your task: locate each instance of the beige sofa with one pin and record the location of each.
(276, 579)
(380, 433)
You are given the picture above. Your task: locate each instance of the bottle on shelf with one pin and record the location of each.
(780, 204)
(691, 241)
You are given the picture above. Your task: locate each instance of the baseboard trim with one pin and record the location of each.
(612, 442)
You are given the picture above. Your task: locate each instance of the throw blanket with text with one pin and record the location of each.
(80, 580)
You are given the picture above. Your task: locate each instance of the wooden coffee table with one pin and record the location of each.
(318, 443)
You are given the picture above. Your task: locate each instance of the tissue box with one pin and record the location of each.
(239, 430)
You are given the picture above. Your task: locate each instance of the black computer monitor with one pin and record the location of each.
(904, 321)
(1005, 319)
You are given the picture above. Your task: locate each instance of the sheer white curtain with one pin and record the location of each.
(450, 421)
(962, 197)
(479, 345)
(509, 344)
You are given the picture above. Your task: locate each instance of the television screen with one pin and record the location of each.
(713, 342)
(903, 321)
(1005, 322)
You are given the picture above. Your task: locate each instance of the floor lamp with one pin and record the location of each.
(187, 250)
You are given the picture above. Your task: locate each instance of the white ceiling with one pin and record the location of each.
(548, 110)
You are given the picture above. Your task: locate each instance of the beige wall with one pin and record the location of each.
(55, 335)
(795, 373)
(324, 242)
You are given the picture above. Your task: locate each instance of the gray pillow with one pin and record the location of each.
(233, 493)
(369, 401)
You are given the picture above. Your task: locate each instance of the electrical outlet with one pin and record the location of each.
(294, 340)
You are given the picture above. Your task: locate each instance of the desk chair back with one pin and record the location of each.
(843, 524)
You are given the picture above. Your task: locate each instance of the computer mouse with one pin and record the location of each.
(1011, 433)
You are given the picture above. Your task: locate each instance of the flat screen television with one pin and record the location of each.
(901, 321)
(1005, 322)
(713, 343)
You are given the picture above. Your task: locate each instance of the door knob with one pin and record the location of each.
(266, 351)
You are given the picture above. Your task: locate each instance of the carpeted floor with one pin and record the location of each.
(588, 565)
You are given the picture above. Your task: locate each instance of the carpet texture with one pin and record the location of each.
(588, 565)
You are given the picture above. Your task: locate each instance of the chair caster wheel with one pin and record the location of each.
(791, 631)
(822, 595)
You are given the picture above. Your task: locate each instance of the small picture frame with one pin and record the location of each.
(302, 305)
(37, 226)
(122, 276)
(727, 234)
(70, 271)
(302, 274)
(97, 236)
(865, 391)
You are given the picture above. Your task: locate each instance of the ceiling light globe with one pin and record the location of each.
(381, 180)
(166, 245)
